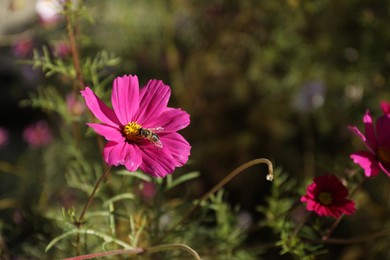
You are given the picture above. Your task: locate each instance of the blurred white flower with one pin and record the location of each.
(49, 11)
(310, 97)
(244, 220)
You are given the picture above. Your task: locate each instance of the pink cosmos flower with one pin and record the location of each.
(37, 134)
(140, 128)
(327, 196)
(377, 141)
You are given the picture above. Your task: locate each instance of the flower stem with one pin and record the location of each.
(73, 46)
(225, 180)
(138, 251)
(127, 252)
(338, 220)
(332, 228)
(172, 246)
(355, 240)
(105, 173)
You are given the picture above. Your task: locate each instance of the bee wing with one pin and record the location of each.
(158, 144)
(156, 129)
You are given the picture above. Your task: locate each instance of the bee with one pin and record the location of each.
(148, 133)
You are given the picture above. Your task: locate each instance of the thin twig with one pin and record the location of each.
(338, 220)
(355, 240)
(137, 251)
(127, 252)
(156, 249)
(332, 228)
(105, 173)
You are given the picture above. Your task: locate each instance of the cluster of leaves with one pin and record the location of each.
(279, 216)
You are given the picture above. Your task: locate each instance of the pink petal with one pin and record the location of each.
(349, 207)
(367, 161)
(153, 100)
(322, 210)
(133, 158)
(115, 153)
(155, 162)
(98, 108)
(357, 132)
(385, 106)
(109, 132)
(125, 97)
(385, 168)
(369, 131)
(383, 130)
(178, 147)
(171, 120)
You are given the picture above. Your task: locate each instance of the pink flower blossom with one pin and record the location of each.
(148, 190)
(74, 105)
(377, 141)
(4, 137)
(327, 196)
(140, 128)
(61, 49)
(37, 134)
(23, 47)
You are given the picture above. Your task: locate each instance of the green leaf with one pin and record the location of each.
(183, 178)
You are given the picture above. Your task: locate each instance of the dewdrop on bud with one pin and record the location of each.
(269, 177)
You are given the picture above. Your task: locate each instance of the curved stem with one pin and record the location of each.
(155, 249)
(127, 252)
(225, 180)
(105, 173)
(137, 251)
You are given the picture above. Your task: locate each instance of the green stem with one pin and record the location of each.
(355, 240)
(73, 46)
(138, 251)
(105, 173)
(225, 180)
(338, 220)
(127, 252)
(156, 249)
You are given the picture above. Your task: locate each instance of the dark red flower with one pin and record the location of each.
(327, 196)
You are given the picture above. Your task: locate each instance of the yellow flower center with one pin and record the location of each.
(383, 154)
(325, 198)
(132, 131)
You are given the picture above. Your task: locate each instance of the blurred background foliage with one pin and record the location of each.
(275, 79)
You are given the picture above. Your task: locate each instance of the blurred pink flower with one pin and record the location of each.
(140, 128)
(22, 47)
(37, 134)
(4, 137)
(74, 105)
(377, 141)
(327, 196)
(61, 49)
(148, 190)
